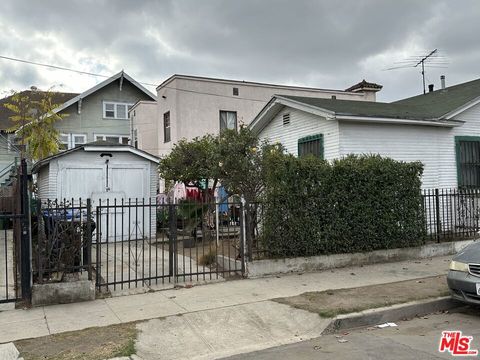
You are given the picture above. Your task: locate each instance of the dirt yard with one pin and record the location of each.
(334, 302)
(89, 344)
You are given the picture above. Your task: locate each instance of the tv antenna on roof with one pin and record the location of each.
(433, 60)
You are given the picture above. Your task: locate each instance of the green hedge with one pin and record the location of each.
(356, 204)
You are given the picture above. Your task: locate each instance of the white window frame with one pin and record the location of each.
(115, 103)
(104, 137)
(71, 140)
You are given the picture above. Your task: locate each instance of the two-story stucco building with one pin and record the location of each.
(191, 106)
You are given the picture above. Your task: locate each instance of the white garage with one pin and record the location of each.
(103, 171)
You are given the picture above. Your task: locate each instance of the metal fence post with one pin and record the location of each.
(437, 215)
(243, 233)
(87, 249)
(98, 261)
(25, 246)
(172, 242)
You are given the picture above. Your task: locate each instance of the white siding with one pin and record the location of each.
(433, 146)
(302, 124)
(42, 183)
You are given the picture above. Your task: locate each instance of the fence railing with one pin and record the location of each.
(451, 214)
(62, 238)
(124, 243)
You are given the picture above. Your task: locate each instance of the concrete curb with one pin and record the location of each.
(393, 313)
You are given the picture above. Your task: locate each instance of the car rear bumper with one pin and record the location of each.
(462, 286)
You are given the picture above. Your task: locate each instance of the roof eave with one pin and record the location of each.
(101, 85)
(89, 148)
(268, 112)
(403, 121)
(122, 148)
(462, 108)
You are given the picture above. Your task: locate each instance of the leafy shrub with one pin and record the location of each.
(355, 204)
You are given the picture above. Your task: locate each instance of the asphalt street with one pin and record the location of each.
(417, 338)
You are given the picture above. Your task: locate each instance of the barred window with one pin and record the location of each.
(468, 161)
(311, 145)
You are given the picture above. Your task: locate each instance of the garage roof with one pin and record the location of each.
(98, 146)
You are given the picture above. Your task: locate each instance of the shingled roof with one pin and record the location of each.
(444, 101)
(434, 105)
(365, 108)
(57, 98)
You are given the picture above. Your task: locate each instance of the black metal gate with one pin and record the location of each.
(15, 270)
(140, 243)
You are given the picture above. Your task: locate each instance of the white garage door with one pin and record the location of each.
(129, 183)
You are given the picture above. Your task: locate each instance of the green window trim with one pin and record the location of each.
(458, 140)
(311, 138)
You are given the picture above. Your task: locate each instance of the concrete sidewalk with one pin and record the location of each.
(209, 301)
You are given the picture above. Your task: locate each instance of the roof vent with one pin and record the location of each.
(430, 88)
(286, 119)
(442, 82)
(334, 97)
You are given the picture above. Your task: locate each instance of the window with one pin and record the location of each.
(116, 110)
(135, 138)
(166, 127)
(228, 120)
(69, 141)
(468, 161)
(311, 145)
(286, 119)
(235, 91)
(113, 138)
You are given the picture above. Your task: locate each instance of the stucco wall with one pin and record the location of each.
(195, 105)
(144, 115)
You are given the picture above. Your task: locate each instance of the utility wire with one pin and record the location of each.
(62, 68)
(144, 83)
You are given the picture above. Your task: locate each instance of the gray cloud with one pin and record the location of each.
(315, 43)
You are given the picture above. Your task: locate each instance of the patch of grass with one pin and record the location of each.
(127, 349)
(331, 303)
(90, 344)
(208, 259)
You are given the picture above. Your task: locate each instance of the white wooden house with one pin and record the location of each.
(441, 129)
(103, 171)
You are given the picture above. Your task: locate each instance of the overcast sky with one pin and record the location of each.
(326, 44)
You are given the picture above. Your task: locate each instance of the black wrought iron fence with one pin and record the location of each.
(127, 243)
(452, 214)
(62, 239)
(446, 214)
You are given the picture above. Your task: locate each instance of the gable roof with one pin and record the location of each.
(120, 75)
(99, 145)
(369, 108)
(351, 110)
(445, 102)
(57, 98)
